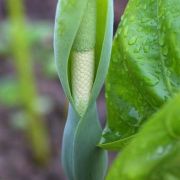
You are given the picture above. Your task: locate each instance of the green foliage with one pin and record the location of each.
(37, 32)
(154, 152)
(83, 42)
(144, 73)
(144, 70)
(3, 40)
(35, 129)
(143, 78)
(81, 158)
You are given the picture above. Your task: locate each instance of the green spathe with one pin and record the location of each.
(86, 37)
(81, 158)
(82, 70)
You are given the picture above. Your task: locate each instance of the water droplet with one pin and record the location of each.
(152, 80)
(165, 51)
(144, 20)
(169, 24)
(165, 98)
(160, 150)
(137, 49)
(132, 40)
(161, 40)
(140, 57)
(125, 56)
(145, 48)
(117, 134)
(132, 18)
(67, 4)
(124, 21)
(145, 7)
(126, 31)
(135, 117)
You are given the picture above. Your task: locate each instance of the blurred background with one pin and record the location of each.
(33, 107)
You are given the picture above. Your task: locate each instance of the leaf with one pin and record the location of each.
(144, 70)
(81, 158)
(154, 153)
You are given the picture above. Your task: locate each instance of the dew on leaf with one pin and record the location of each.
(137, 49)
(126, 31)
(165, 51)
(145, 7)
(145, 48)
(132, 40)
(161, 40)
(152, 80)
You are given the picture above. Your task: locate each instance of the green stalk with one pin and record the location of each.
(83, 59)
(36, 130)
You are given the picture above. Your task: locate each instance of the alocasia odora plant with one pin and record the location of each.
(144, 73)
(144, 70)
(83, 41)
(154, 153)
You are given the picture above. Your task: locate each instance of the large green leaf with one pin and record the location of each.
(154, 153)
(81, 158)
(144, 70)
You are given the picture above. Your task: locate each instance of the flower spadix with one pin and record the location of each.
(83, 59)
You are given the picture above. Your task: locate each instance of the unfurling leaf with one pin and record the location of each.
(83, 40)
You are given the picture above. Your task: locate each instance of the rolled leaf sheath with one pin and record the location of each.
(83, 59)
(83, 36)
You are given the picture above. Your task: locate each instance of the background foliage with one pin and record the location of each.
(16, 153)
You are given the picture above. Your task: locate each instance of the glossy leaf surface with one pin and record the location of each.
(144, 70)
(154, 153)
